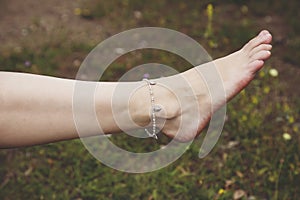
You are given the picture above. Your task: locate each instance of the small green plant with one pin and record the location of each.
(210, 13)
(209, 28)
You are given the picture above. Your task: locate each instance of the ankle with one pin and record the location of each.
(140, 104)
(166, 98)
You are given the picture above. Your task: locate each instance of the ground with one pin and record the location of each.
(258, 154)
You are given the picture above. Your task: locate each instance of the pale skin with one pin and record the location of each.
(38, 109)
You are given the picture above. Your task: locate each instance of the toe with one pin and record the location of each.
(261, 55)
(256, 65)
(267, 39)
(263, 38)
(262, 47)
(264, 32)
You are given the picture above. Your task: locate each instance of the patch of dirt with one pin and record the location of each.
(30, 21)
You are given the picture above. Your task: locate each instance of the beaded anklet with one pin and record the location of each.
(154, 109)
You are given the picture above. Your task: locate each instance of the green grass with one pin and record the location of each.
(251, 155)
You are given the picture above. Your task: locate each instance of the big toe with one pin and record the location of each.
(264, 32)
(264, 37)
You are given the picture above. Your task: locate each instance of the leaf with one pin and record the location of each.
(28, 171)
(239, 174)
(262, 171)
(238, 194)
(228, 183)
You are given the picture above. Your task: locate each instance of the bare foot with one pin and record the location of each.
(235, 72)
(239, 68)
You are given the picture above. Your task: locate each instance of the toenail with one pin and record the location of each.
(266, 36)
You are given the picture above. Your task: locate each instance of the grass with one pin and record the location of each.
(252, 155)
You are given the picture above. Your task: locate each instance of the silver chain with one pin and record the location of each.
(154, 109)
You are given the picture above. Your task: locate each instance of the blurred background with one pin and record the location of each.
(258, 155)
